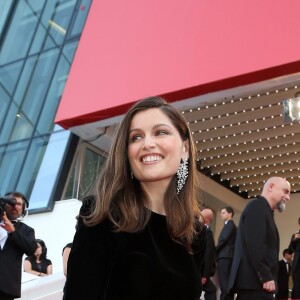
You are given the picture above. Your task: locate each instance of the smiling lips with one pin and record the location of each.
(151, 158)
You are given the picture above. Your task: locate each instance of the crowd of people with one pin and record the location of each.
(142, 233)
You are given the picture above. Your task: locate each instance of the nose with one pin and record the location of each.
(148, 142)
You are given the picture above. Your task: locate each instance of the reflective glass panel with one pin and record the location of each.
(5, 7)
(9, 76)
(92, 165)
(45, 123)
(11, 164)
(11, 119)
(82, 13)
(21, 31)
(46, 170)
(4, 102)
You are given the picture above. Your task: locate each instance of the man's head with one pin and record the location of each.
(17, 210)
(287, 254)
(207, 215)
(277, 192)
(227, 213)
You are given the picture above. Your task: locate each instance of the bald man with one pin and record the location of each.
(209, 266)
(254, 268)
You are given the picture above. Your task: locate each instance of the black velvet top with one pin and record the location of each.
(145, 265)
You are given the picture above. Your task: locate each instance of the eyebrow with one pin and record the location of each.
(155, 126)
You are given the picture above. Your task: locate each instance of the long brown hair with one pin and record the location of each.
(120, 198)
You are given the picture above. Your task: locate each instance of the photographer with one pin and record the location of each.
(16, 238)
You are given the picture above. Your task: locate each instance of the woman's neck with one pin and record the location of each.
(156, 192)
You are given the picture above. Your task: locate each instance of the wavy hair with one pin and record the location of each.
(121, 199)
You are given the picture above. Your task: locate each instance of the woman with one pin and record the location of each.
(65, 254)
(140, 238)
(38, 264)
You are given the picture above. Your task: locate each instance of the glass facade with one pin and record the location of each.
(38, 40)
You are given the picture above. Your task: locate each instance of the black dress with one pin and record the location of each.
(145, 265)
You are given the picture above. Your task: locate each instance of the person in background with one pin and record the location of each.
(38, 263)
(16, 239)
(143, 238)
(225, 250)
(67, 249)
(65, 254)
(295, 248)
(255, 261)
(284, 270)
(209, 262)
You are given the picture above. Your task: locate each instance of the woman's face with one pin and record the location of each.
(38, 249)
(155, 146)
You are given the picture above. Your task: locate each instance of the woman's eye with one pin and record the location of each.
(162, 132)
(135, 138)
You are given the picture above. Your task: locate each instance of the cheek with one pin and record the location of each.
(131, 154)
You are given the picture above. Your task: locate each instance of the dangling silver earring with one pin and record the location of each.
(131, 174)
(182, 174)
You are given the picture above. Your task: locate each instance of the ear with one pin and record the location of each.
(185, 148)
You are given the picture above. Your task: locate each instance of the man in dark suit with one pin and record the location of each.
(284, 270)
(16, 238)
(295, 247)
(209, 266)
(225, 249)
(255, 262)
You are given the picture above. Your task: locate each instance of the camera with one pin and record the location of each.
(3, 201)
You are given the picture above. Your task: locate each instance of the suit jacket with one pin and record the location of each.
(283, 280)
(295, 247)
(21, 241)
(209, 261)
(255, 259)
(225, 246)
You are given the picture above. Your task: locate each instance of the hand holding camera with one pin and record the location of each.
(7, 224)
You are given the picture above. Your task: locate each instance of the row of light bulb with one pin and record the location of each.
(241, 134)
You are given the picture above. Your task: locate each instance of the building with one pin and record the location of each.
(227, 66)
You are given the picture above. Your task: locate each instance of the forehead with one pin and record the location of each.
(18, 199)
(224, 211)
(283, 184)
(150, 117)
